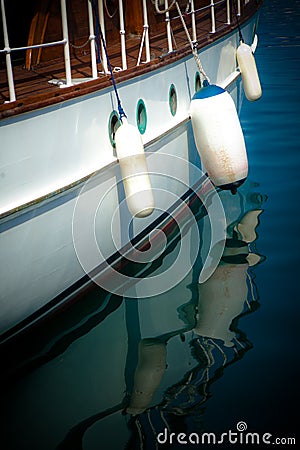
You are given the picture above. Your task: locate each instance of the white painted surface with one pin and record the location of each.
(50, 148)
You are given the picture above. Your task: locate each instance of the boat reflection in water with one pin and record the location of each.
(214, 342)
(129, 369)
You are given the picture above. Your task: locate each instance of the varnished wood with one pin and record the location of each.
(33, 90)
(134, 17)
(37, 33)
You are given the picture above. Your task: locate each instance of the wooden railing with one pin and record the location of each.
(203, 5)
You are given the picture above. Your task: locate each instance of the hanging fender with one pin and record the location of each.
(148, 374)
(135, 176)
(219, 138)
(222, 296)
(247, 65)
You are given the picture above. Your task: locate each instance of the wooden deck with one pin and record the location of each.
(35, 89)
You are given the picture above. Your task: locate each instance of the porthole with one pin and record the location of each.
(141, 116)
(172, 100)
(197, 82)
(113, 125)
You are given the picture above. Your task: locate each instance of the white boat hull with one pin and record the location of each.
(50, 154)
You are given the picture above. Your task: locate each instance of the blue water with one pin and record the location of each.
(266, 380)
(75, 375)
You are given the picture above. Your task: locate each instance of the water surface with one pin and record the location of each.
(75, 380)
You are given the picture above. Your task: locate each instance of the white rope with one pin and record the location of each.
(251, 288)
(221, 351)
(107, 12)
(193, 45)
(82, 45)
(159, 11)
(141, 47)
(188, 6)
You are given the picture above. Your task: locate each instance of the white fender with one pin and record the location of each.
(136, 180)
(254, 43)
(148, 374)
(247, 66)
(246, 228)
(221, 299)
(219, 137)
(222, 296)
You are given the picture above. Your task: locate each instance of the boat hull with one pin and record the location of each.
(62, 153)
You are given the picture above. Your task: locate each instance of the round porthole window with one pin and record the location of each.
(113, 125)
(172, 100)
(197, 82)
(141, 116)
